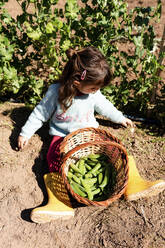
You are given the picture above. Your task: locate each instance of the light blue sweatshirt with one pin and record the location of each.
(79, 115)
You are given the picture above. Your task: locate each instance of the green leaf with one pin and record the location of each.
(54, 1)
(71, 9)
(34, 35)
(57, 23)
(49, 28)
(66, 44)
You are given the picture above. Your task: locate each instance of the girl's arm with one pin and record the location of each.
(41, 113)
(107, 109)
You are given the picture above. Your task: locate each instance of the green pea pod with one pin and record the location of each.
(84, 158)
(88, 175)
(77, 190)
(80, 186)
(82, 166)
(90, 162)
(76, 179)
(81, 161)
(89, 181)
(90, 195)
(96, 191)
(94, 156)
(96, 168)
(106, 178)
(85, 184)
(94, 160)
(78, 174)
(75, 168)
(93, 188)
(69, 175)
(102, 169)
(88, 166)
(87, 188)
(100, 178)
(77, 163)
(97, 172)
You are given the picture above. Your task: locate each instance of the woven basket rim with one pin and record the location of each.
(80, 130)
(86, 200)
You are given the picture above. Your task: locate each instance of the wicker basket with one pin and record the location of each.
(84, 135)
(118, 157)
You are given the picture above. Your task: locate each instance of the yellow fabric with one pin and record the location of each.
(58, 206)
(138, 187)
(53, 187)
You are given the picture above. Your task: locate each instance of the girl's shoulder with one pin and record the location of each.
(52, 92)
(54, 87)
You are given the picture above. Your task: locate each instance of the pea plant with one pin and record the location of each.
(33, 47)
(16, 81)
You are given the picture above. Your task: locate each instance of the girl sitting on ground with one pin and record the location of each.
(71, 102)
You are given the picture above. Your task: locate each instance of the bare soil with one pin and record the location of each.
(138, 224)
(123, 224)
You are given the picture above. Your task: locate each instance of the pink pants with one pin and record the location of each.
(53, 155)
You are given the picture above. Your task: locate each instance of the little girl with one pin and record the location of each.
(70, 103)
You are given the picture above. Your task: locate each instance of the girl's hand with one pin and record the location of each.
(127, 122)
(22, 142)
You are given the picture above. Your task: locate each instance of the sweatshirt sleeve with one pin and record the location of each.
(41, 113)
(106, 108)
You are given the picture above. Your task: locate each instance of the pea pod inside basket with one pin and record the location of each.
(92, 176)
(96, 173)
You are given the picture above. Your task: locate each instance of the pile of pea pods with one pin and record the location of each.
(92, 177)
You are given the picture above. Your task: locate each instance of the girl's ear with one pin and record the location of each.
(76, 83)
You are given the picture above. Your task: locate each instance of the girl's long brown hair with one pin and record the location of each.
(97, 72)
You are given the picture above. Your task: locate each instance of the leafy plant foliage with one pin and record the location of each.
(32, 47)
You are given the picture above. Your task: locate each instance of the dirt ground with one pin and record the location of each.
(123, 224)
(138, 224)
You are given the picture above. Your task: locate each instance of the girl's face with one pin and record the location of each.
(87, 89)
